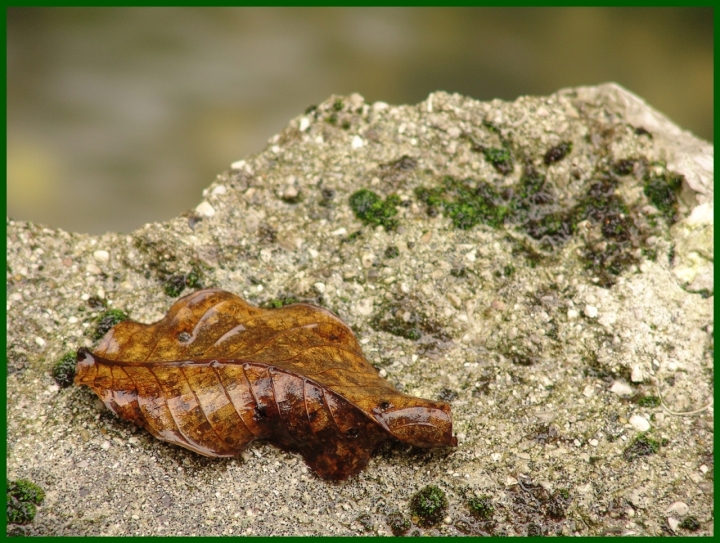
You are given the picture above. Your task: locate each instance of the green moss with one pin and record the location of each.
(643, 445)
(107, 320)
(338, 105)
(481, 507)
(501, 159)
(175, 284)
(19, 512)
(64, 370)
(465, 205)
(371, 209)
(429, 504)
(690, 523)
(281, 302)
(662, 193)
(392, 252)
(557, 153)
(648, 401)
(26, 491)
(399, 523)
(22, 497)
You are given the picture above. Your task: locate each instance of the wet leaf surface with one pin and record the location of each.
(216, 374)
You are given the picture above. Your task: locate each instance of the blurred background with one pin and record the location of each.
(121, 116)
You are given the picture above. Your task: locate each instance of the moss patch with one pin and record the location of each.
(557, 153)
(644, 445)
(281, 302)
(690, 523)
(404, 318)
(662, 190)
(372, 209)
(429, 505)
(107, 320)
(175, 284)
(648, 401)
(399, 523)
(22, 497)
(500, 158)
(64, 370)
(481, 507)
(465, 204)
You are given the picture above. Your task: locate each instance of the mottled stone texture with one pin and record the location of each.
(545, 265)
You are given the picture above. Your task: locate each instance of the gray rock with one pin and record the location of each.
(499, 291)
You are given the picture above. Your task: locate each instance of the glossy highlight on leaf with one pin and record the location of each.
(216, 374)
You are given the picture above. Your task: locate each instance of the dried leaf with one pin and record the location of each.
(217, 373)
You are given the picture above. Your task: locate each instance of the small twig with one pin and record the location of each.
(684, 413)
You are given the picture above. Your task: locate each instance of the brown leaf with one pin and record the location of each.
(217, 373)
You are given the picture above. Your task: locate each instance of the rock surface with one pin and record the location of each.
(541, 251)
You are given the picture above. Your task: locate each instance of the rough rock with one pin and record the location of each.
(540, 250)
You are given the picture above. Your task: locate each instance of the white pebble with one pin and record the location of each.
(681, 508)
(594, 442)
(205, 209)
(621, 389)
(238, 165)
(454, 299)
(641, 424)
(101, 256)
(637, 375)
(220, 189)
(16, 297)
(320, 287)
(304, 124)
(40, 341)
(673, 523)
(290, 193)
(357, 142)
(93, 268)
(339, 232)
(590, 311)
(382, 373)
(105, 445)
(573, 314)
(364, 307)
(367, 259)
(72, 320)
(379, 106)
(471, 255)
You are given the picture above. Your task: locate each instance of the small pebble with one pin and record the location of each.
(681, 508)
(382, 373)
(357, 142)
(641, 424)
(621, 389)
(205, 209)
(498, 305)
(105, 445)
(454, 300)
(40, 341)
(290, 193)
(93, 268)
(364, 307)
(573, 314)
(637, 375)
(590, 311)
(103, 257)
(320, 287)
(220, 189)
(673, 523)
